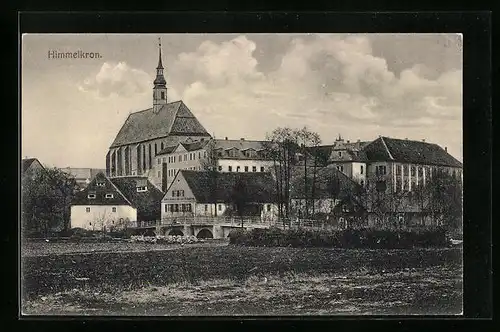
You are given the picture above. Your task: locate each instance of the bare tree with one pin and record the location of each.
(210, 164)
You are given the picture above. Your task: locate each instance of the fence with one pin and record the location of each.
(203, 220)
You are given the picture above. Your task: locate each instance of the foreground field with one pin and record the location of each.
(228, 280)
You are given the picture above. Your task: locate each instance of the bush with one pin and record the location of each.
(349, 238)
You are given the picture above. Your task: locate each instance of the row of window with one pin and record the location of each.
(183, 157)
(178, 208)
(173, 171)
(177, 193)
(87, 209)
(246, 168)
(93, 196)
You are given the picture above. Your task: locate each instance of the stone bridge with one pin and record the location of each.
(216, 228)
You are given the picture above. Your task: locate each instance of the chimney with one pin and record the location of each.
(348, 141)
(423, 139)
(446, 149)
(242, 138)
(226, 138)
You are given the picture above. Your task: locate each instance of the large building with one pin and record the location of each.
(401, 163)
(115, 203)
(207, 194)
(147, 132)
(226, 155)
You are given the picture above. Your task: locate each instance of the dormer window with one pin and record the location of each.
(91, 196)
(100, 184)
(109, 196)
(340, 153)
(142, 189)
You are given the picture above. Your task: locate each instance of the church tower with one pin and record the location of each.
(160, 85)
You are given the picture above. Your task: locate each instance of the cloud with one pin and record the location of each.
(117, 79)
(327, 78)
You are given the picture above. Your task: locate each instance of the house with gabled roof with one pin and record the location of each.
(212, 194)
(29, 167)
(115, 203)
(147, 132)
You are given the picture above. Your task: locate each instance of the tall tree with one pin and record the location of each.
(46, 200)
(239, 198)
(210, 163)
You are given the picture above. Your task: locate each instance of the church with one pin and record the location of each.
(145, 133)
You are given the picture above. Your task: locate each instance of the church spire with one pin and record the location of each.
(160, 84)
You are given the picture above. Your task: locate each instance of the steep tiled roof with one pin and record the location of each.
(147, 203)
(209, 187)
(324, 178)
(81, 197)
(408, 151)
(172, 119)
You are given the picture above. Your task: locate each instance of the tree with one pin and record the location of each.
(46, 200)
(239, 198)
(282, 148)
(210, 164)
(443, 199)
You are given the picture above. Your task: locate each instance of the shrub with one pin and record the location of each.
(349, 238)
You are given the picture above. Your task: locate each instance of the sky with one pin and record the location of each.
(241, 85)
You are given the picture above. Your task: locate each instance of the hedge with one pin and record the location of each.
(349, 238)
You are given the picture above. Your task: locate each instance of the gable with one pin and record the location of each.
(81, 197)
(179, 183)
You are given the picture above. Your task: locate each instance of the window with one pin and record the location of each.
(174, 159)
(181, 193)
(268, 207)
(113, 209)
(166, 207)
(237, 168)
(204, 154)
(246, 168)
(162, 94)
(262, 169)
(87, 209)
(340, 153)
(176, 207)
(174, 193)
(219, 206)
(254, 168)
(190, 156)
(185, 157)
(206, 207)
(340, 168)
(164, 159)
(412, 170)
(361, 171)
(419, 171)
(142, 189)
(159, 173)
(100, 184)
(188, 207)
(199, 155)
(91, 196)
(159, 161)
(220, 168)
(398, 169)
(162, 145)
(381, 170)
(109, 195)
(362, 183)
(230, 168)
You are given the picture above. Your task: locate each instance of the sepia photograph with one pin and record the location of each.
(241, 174)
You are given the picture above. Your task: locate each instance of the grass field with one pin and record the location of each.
(216, 279)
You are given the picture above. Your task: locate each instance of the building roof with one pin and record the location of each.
(147, 203)
(172, 119)
(81, 197)
(326, 178)
(211, 187)
(124, 190)
(408, 151)
(26, 163)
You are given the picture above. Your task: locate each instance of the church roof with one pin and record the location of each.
(173, 119)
